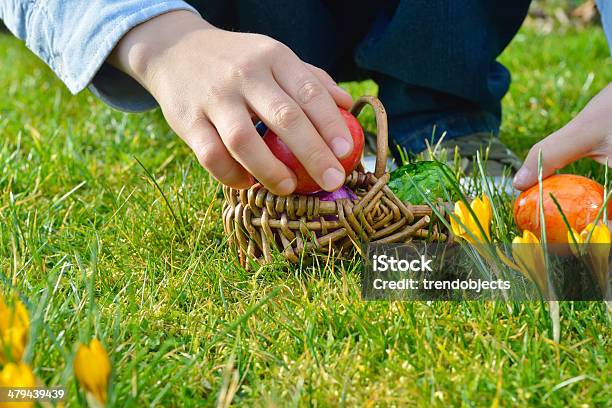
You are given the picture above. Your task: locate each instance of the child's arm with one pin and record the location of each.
(74, 38)
(589, 134)
(211, 84)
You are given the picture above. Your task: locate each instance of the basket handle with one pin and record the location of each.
(382, 130)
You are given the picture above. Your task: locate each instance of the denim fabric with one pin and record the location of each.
(74, 37)
(435, 63)
(434, 60)
(605, 10)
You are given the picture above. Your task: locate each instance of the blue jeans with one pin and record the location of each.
(434, 60)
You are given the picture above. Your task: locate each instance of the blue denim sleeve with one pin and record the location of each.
(74, 37)
(605, 9)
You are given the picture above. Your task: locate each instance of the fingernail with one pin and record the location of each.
(286, 186)
(332, 179)
(523, 177)
(340, 146)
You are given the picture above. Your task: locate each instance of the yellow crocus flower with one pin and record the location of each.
(530, 259)
(18, 375)
(92, 369)
(597, 255)
(463, 223)
(600, 235)
(14, 330)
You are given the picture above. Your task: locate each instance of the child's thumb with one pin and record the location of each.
(525, 177)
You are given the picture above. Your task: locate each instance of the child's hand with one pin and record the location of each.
(212, 84)
(589, 134)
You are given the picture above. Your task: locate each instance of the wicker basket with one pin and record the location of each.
(258, 222)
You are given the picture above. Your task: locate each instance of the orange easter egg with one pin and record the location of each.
(580, 199)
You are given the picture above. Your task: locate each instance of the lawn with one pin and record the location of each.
(94, 248)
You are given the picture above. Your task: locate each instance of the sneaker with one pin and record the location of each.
(500, 161)
(501, 164)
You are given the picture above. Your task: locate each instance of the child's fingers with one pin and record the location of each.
(284, 116)
(238, 133)
(214, 157)
(316, 102)
(587, 135)
(559, 149)
(342, 98)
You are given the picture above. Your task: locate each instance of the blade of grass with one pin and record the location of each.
(563, 217)
(179, 223)
(553, 305)
(606, 169)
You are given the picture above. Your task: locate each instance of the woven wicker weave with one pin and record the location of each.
(258, 222)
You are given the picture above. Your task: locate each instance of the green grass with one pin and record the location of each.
(92, 247)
